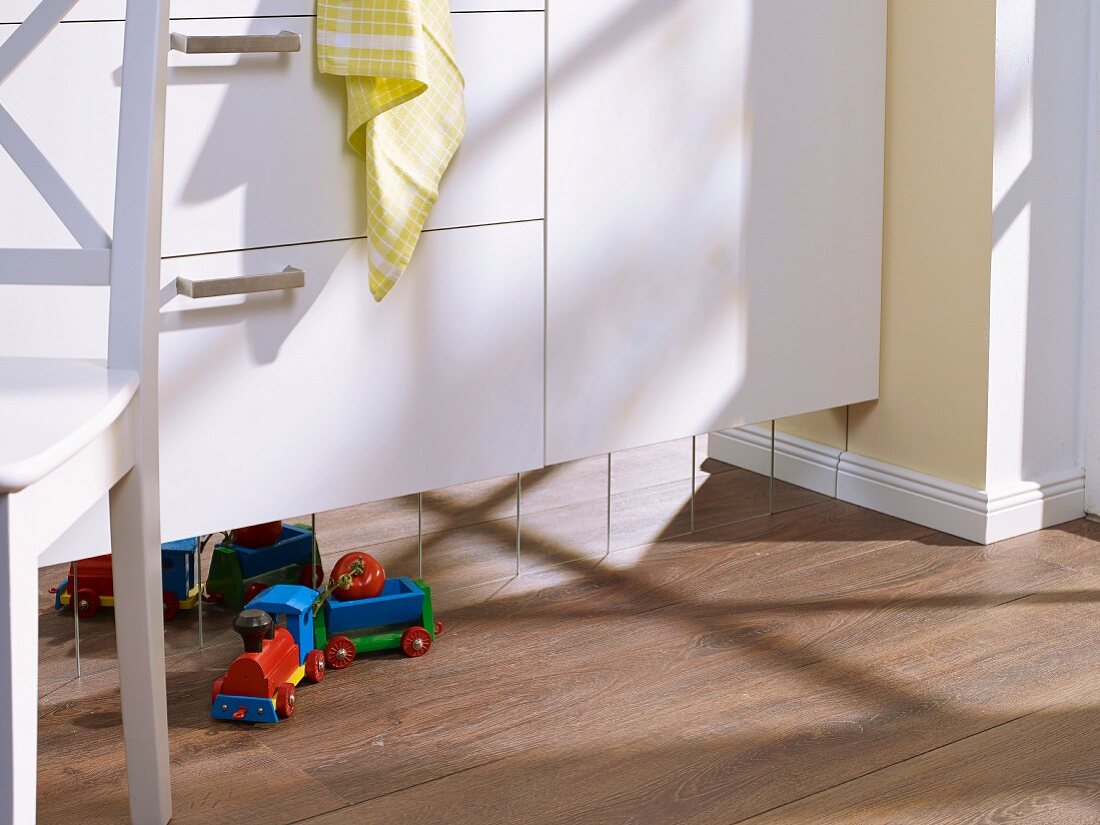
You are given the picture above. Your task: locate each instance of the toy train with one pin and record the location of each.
(95, 586)
(237, 574)
(286, 635)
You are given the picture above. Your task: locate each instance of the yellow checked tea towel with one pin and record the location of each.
(406, 114)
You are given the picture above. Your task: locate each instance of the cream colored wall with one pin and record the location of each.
(931, 412)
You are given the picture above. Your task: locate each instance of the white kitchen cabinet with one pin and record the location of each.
(714, 215)
(711, 177)
(256, 151)
(312, 399)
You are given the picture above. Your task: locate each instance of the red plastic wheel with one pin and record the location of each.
(339, 652)
(312, 575)
(416, 641)
(171, 606)
(87, 602)
(315, 665)
(438, 627)
(217, 689)
(284, 700)
(213, 598)
(253, 590)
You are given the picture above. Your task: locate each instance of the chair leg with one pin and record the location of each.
(18, 676)
(139, 632)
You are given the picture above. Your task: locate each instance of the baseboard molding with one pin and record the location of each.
(976, 515)
(797, 461)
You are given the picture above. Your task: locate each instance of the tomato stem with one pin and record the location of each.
(340, 583)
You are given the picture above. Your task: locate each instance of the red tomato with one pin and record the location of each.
(258, 535)
(366, 577)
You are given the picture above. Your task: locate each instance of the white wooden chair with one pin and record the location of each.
(74, 431)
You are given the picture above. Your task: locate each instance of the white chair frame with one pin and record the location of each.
(115, 452)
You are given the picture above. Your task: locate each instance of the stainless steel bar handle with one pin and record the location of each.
(289, 278)
(284, 41)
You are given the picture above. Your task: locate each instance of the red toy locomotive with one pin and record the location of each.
(277, 631)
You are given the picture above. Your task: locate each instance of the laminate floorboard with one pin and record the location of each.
(788, 697)
(826, 664)
(1040, 768)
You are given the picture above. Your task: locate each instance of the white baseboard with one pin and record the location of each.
(797, 461)
(976, 515)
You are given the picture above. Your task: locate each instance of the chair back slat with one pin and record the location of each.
(32, 31)
(130, 263)
(91, 264)
(55, 267)
(72, 212)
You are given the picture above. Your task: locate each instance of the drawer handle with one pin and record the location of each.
(284, 41)
(289, 278)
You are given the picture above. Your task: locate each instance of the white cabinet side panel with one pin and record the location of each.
(714, 215)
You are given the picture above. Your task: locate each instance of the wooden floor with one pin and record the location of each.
(823, 665)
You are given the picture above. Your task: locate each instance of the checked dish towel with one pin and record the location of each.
(406, 114)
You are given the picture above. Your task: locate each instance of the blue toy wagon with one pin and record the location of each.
(400, 617)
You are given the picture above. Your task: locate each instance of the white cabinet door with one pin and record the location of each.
(307, 400)
(256, 151)
(714, 215)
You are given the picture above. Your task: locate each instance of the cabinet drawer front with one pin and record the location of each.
(273, 404)
(256, 151)
(15, 11)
